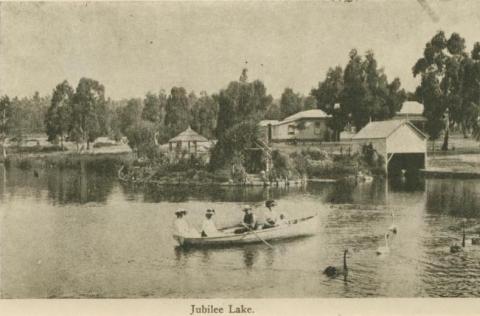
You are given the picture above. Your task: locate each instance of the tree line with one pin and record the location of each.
(352, 95)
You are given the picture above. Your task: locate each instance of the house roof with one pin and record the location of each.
(411, 108)
(383, 129)
(268, 122)
(188, 135)
(316, 113)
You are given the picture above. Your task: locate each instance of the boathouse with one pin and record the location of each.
(402, 144)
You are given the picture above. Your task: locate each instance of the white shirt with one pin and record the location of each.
(183, 229)
(271, 215)
(208, 227)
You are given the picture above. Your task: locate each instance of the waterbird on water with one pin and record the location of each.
(333, 272)
(35, 173)
(456, 247)
(384, 249)
(393, 227)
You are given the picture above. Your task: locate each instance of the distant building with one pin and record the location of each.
(310, 125)
(412, 111)
(402, 144)
(189, 142)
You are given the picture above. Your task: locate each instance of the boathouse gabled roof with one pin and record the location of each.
(383, 129)
(188, 135)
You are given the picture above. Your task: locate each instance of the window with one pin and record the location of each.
(291, 129)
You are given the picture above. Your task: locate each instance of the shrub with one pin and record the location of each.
(100, 145)
(315, 154)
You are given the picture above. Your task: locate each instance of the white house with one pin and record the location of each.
(310, 125)
(412, 111)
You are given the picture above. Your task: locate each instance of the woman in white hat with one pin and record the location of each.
(182, 228)
(208, 227)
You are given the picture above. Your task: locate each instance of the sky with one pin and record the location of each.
(133, 48)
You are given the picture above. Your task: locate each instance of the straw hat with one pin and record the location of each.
(181, 211)
(270, 203)
(246, 208)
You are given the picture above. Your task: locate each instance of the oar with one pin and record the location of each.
(253, 231)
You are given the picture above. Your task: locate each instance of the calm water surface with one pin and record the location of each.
(80, 233)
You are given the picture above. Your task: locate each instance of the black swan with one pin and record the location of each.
(332, 271)
(457, 248)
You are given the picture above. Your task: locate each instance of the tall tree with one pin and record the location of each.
(241, 101)
(203, 118)
(290, 103)
(328, 96)
(88, 118)
(130, 115)
(154, 108)
(59, 114)
(176, 111)
(273, 111)
(442, 69)
(355, 91)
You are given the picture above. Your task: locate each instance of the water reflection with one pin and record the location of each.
(214, 193)
(56, 246)
(455, 198)
(63, 186)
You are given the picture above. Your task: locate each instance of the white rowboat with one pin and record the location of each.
(293, 228)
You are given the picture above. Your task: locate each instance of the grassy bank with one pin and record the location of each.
(101, 161)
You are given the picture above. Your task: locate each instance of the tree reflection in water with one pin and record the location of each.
(455, 198)
(84, 183)
(215, 193)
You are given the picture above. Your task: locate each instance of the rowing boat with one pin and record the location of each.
(300, 227)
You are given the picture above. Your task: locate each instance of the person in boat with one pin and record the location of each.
(271, 216)
(182, 228)
(282, 220)
(249, 221)
(208, 227)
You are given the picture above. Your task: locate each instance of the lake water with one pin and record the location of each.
(81, 234)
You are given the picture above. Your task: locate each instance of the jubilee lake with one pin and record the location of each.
(79, 233)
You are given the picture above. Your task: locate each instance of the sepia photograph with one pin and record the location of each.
(239, 150)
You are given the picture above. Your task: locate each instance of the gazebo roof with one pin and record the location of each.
(188, 135)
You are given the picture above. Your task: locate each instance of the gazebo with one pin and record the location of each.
(190, 142)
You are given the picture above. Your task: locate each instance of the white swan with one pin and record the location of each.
(393, 228)
(384, 249)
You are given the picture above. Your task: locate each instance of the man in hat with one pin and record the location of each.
(208, 227)
(248, 221)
